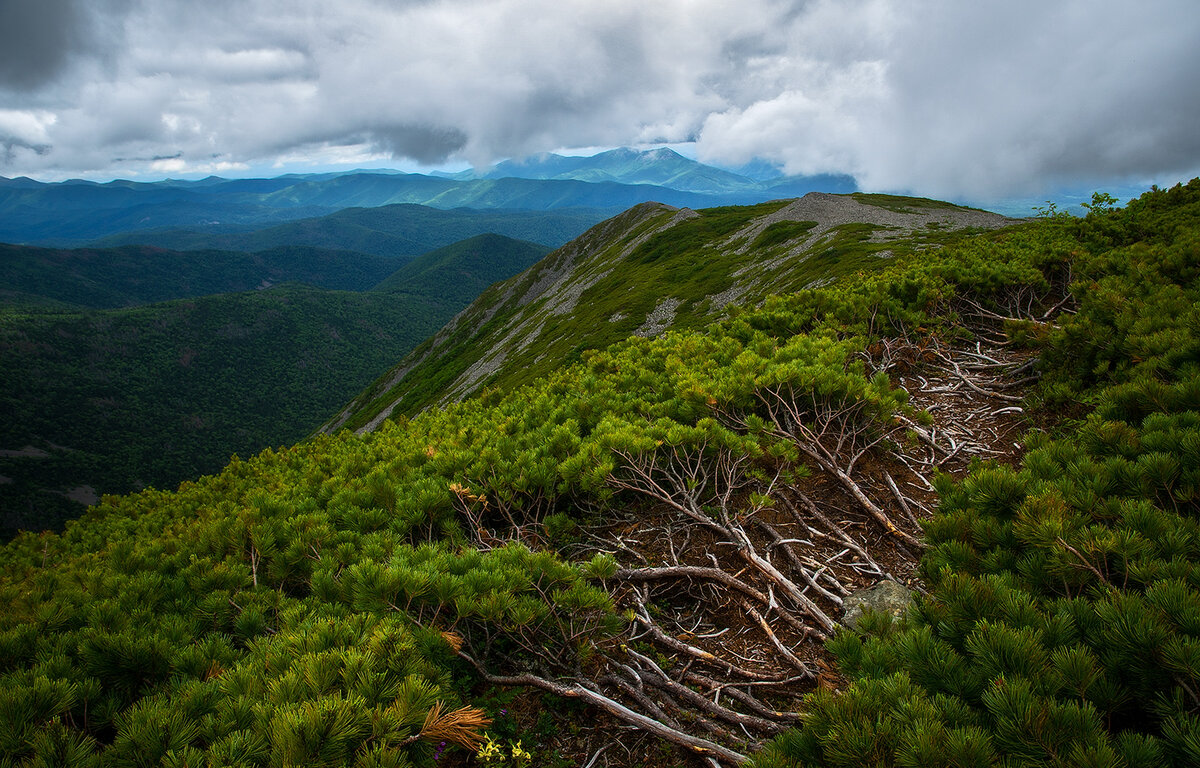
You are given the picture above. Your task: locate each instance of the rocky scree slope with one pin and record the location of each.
(650, 269)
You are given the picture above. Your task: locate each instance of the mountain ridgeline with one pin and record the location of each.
(652, 268)
(108, 278)
(631, 508)
(172, 213)
(661, 168)
(392, 231)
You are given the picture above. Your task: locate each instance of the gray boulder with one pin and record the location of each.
(887, 597)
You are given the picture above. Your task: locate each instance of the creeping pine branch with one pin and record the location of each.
(735, 692)
(701, 747)
(851, 437)
(728, 667)
(682, 481)
(975, 387)
(656, 677)
(834, 530)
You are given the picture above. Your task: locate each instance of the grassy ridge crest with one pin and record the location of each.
(652, 268)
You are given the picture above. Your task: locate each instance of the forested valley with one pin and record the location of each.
(131, 367)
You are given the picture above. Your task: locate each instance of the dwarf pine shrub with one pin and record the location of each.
(1063, 621)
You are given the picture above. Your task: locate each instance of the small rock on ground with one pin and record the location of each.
(887, 597)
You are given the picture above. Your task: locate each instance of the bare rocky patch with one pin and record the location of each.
(831, 211)
(659, 319)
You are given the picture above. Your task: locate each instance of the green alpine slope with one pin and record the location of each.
(487, 582)
(652, 268)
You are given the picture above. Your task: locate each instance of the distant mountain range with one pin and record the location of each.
(392, 231)
(663, 168)
(74, 213)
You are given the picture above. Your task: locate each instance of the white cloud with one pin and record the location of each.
(229, 66)
(30, 128)
(817, 129)
(176, 165)
(979, 98)
(934, 96)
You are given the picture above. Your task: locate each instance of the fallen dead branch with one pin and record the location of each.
(734, 581)
(697, 745)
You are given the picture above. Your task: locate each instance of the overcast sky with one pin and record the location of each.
(938, 97)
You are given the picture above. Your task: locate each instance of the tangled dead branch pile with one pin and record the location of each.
(735, 573)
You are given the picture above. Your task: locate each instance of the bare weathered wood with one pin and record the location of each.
(702, 747)
(689, 572)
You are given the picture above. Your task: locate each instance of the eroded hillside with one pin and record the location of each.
(648, 270)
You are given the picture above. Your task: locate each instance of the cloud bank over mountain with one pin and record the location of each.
(932, 96)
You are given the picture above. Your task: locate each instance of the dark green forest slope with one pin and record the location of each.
(111, 401)
(119, 399)
(372, 600)
(464, 268)
(106, 278)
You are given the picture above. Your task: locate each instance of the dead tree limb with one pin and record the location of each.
(701, 747)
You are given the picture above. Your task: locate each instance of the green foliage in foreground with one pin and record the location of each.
(288, 610)
(1063, 621)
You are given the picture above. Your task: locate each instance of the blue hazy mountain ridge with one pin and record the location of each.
(665, 168)
(77, 212)
(661, 167)
(391, 231)
(66, 215)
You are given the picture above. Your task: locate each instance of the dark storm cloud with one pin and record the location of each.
(10, 144)
(425, 144)
(41, 39)
(37, 37)
(937, 96)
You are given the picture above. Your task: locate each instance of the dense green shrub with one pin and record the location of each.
(302, 606)
(1063, 621)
